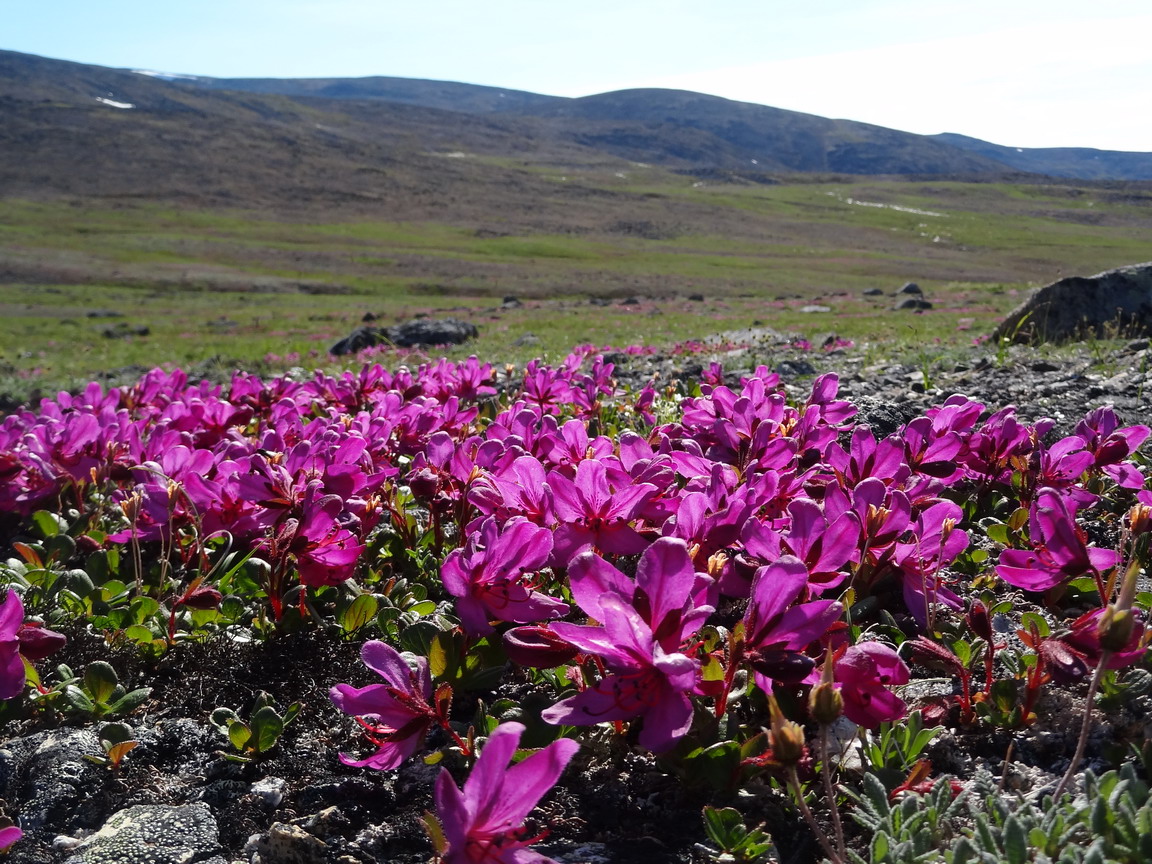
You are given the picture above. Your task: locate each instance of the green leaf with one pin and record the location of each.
(139, 634)
(115, 733)
(291, 712)
(130, 701)
(359, 613)
(48, 524)
(239, 734)
(78, 700)
(1015, 842)
(418, 637)
(997, 532)
(143, 608)
(100, 681)
(880, 844)
(424, 607)
(267, 727)
(724, 826)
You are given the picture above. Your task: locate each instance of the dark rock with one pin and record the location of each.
(1044, 366)
(511, 303)
(873, 292)
(630, 301)
(911, 288)
(368, 318)
(123, 330)
(696, 298)
(1118, 301)
(913, 303)
(48, 774)
(153, 834)
(795, 368)
(429, 331)
(419, 332)
(599, 301)
(105, 313)
(885, 416)
(357, 340)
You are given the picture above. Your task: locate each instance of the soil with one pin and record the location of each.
(615, 803)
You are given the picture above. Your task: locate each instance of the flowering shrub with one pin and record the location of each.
(656, 577)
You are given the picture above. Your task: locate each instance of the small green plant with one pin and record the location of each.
(894, 748)
(733, 841)
(914, 830)
(261, 732)
(117, 741)
(98, 692)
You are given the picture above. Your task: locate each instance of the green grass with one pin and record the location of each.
(757, 253)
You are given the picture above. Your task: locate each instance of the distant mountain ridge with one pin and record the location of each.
(1082, 163)
(85, 130)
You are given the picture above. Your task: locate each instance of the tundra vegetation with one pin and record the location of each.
(754, 592)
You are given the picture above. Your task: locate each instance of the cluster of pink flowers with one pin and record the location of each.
(742, 497)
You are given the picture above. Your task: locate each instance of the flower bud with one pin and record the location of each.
(785, 738)
(980, 622)
(825, 704)
(38, 643)
(1115, 628)
(538, 647)
(202, 597)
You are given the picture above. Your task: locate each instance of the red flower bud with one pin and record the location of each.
(38, 643)
(980, 622)
(538, 647)
(202, 597)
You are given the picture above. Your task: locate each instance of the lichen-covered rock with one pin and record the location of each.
(48, 774)
(289, 844)
(154, 834)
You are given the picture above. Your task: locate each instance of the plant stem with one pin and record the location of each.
(830, 791)
(1083, 742)
(798, 794)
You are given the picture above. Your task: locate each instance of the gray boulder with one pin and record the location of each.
(1118, 301)
(911, 288)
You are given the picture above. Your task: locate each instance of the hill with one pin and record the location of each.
(1082, 163)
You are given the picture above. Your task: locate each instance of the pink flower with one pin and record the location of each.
(484, 823)
(400, 709)
(864, 674)
(491, 576)
(1060, 552)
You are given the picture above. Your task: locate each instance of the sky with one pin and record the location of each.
(1023, 73)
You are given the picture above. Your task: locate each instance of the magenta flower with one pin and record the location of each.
(398, 713)
(484, 823)
(864, 673)
(12, 674)
(668, 593)
(1111, 445)
(776, 632)
(645, 681)
(491, 576)
(1060, 552)
(9, 837)
(592, 513)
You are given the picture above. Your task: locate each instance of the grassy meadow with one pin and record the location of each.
(79, 278)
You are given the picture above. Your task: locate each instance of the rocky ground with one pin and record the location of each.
(177, 798)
